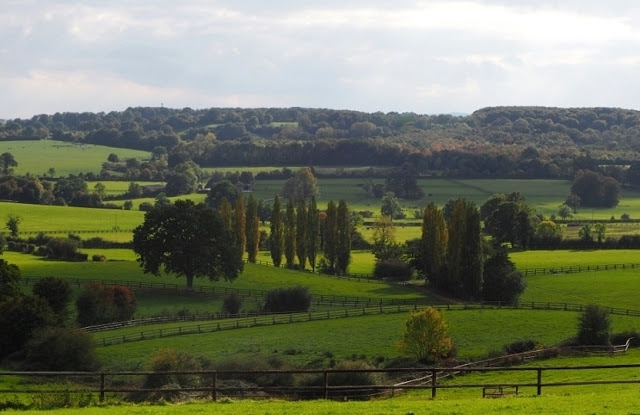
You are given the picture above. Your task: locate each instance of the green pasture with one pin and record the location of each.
(113, 188)
(254, 277)
(567, 258)
(37, 157)
(616, 289)
(476, 333)
(551, 376)
(610, 403)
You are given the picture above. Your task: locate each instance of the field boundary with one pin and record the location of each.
(288, 318)
(577, 268)
(212, 383)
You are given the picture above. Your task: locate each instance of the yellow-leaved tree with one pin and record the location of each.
(425, 336)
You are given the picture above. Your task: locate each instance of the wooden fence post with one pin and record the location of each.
(101, 387)
(434, 374)
(539, 381)
(214, 387)
(326, 385)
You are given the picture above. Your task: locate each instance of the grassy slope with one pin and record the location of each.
(36, 157)
(476, 332)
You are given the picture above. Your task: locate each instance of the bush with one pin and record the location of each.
(20, 316)
(425, 336)
(354, 378)
(99, 304)
(9, 280)
(65, 249)
(58, 294)
(594, 326)
(98, 258)
(167, 360)
(502, 281)
(145, 206)
(60, 349)
(394, 270)
(521, 346)
(231, 303)
(287, 300)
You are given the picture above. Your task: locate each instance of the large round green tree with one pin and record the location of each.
(187, 240)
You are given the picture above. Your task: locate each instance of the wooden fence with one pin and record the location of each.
(273, 319)
(577, 268)
(216, 384)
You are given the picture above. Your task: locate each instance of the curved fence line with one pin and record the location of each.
(273, 319)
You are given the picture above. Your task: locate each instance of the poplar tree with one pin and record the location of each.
(343, 238)
(240, 223)
(252, 229)
(313, 233)
(330, 236)
(276, 241)
(464, 253)
(226, 213)
(433, 247)
(290, 234)
(301, 233)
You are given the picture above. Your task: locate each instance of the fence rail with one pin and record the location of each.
(273, 319)
(214, 384)
(577, 268)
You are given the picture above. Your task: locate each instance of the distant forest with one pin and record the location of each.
(522, 142)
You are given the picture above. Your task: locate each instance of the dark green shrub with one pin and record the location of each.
(60, 349)
(9, 280)
(621, 338)
(145, 206)
(166, 360)
(594, 326)
(98, 258)
(58, 294)
(287, 300)
(20, 316)
(393, 270)
(65, 249)
(231, 303)
(520, 346)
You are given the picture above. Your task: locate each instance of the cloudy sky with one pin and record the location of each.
(421, 56)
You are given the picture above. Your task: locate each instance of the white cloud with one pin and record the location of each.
(371, 55)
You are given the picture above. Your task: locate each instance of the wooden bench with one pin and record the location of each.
(498, 391)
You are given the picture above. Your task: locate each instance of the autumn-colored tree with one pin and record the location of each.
(384, 240)
(226, 213)
(252, 229)
(276, 241)
(425, 336)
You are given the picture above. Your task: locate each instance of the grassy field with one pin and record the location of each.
(566, 258)
(615, 403)
(36, 157)
(476, 333)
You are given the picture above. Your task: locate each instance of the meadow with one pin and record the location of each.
(37, 157)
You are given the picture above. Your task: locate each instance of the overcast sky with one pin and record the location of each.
(420, 56)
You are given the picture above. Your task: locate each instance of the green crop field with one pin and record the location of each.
(37, 157)
(565, 258)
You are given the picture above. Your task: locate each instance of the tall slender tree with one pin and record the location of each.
(226, 213)
(434, 241)
(290, 234)
(276, 241)
(301, 233)
(313, 233)
(464, 253)
(343, 238)
(240, 222)
(331, 236)
(252, 229)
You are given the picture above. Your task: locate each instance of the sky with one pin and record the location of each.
(427, 57)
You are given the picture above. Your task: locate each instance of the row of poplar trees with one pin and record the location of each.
(302, 231)
(245, 224)
(451, 252)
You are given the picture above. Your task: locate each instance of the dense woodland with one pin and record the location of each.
(527, 142)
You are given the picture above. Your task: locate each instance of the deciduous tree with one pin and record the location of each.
(276, 241)
(252, 229)
(290, 234)
(187, 240)
(425, 336)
